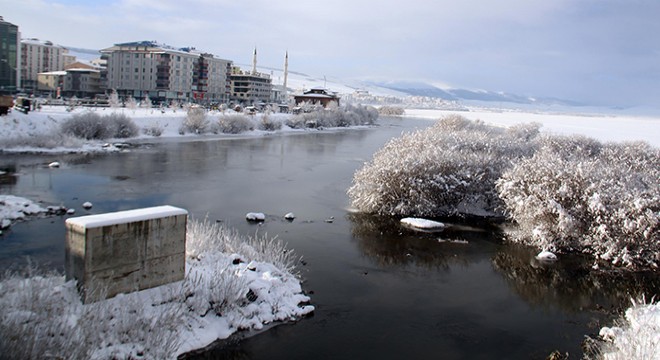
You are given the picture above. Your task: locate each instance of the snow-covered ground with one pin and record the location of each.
(598, 126)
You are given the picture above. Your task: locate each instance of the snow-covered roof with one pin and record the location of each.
(61, 72)
(33, 41)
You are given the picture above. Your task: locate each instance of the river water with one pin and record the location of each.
(380, 291)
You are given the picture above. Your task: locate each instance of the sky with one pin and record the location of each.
(599, 52)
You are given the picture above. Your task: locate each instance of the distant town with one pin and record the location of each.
(140, 70)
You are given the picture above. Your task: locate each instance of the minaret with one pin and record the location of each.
(286, 74)
(254, 61)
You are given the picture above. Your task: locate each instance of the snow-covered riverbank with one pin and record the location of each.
(232, 283)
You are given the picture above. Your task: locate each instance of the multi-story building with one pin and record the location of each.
(10, 57)
(40, 56)
(250, 87)
(164, 73)
(78, 79)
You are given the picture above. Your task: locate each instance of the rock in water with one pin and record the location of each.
(54, 164)
(87, 205)
(290, 216)
(423, 224)
(546, 256)
(255, 216)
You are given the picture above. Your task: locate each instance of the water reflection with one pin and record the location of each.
(569, 284)
(387, 243)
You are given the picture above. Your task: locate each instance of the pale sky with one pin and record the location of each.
(603, 52)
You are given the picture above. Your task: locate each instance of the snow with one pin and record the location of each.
(290, 216)
(638, 337)
(546, 256)
(119, 217)
(604, 127)
(423, 224)
(255, 216)
(14, 208)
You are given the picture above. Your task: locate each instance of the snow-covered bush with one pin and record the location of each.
(267, 123)
(635, 336)
(90, 125)
(235, 124)
(42, 141)
(196, 121)
(578, 194)
(390, 110)
(333, 116)
(154, 130)
(448, 168)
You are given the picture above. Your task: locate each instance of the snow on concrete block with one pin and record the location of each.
(255, 216)
(423, 224)
(546, 256)
(125, 251)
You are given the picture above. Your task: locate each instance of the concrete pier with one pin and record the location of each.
(126, 251)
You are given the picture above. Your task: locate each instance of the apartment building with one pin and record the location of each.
(78, 80)
(10, 57)
(250, 87)
(165, 73)
(39, 56)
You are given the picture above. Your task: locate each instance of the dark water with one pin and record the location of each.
(381, 291)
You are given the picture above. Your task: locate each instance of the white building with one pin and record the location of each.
(164, 73)
(39, 56)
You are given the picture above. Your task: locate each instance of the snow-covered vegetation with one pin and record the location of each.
(334, 116)
(447, 169)
(390, 110)
(232, 283)
(60, 129)
(635, 336)
(92, 126)
(565, 193)
(578, 194)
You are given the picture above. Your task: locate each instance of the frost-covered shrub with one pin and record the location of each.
(196, 121)
(333, 116)
(389, 110)
(42, 141)
(448, 168)
(154, 130)
(235, 124)
(578, 194)
(123, 126)
(634, 336)
(267, 123)
(90, 125)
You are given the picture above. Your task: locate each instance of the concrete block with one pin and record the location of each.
(126, 251)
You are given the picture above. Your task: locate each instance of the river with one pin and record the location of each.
(380, 291)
